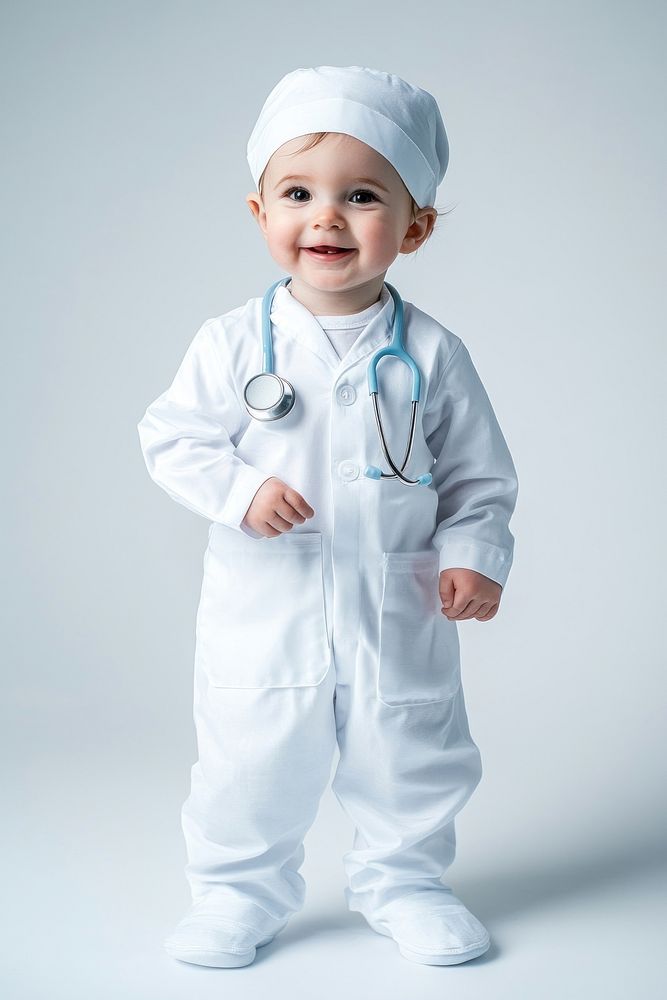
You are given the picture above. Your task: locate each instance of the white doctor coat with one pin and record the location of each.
(349, 597)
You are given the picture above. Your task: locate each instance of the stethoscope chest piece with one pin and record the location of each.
(268, 396)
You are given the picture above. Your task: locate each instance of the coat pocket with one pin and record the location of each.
(261, 621)
(419, 647)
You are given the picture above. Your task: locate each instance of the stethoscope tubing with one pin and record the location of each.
(395, 348)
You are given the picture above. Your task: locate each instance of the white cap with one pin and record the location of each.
(401, 122)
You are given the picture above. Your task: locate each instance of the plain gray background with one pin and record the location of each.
(125, 227)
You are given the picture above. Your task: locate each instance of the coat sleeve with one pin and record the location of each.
(189, 434)
(474, 474)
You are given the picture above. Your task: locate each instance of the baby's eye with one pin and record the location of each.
(369, 193)
(292, 190)
(364, 194)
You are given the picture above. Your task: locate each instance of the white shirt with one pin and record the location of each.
(342, 331)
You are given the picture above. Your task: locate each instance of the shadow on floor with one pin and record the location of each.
(500, 894)
(517, 890)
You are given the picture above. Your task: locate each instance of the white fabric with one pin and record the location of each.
(400, 121)
(206, 936)
(432, 927)
(342, 331)
(330, 633)
(203, 448)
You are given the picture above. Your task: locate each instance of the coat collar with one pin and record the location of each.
(293, 319)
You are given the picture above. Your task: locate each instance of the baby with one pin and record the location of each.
(334, 576)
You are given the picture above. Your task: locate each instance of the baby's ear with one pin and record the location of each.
(256, 206)
(421, 229)
(254, 202)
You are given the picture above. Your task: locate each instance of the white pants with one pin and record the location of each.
(265, 758)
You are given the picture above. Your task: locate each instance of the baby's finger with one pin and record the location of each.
(489, 614)
(483, 609)
(470, 611)
(278, 522)
(459, 606)
(446, 591)
(297, 502)
(286, 511)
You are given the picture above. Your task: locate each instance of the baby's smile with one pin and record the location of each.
(326, 253)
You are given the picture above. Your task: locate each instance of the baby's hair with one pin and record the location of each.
(313, 140)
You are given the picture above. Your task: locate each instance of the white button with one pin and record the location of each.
(348, 471)
(346, 394)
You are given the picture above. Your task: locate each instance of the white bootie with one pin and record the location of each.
(432, 927)
(207, 938)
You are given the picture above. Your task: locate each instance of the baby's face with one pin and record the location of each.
(339, 193)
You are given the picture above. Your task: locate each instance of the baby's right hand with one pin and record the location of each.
(275, 508)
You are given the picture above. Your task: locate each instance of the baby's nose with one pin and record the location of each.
(326, 215)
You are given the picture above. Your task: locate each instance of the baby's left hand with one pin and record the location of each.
(467, 594)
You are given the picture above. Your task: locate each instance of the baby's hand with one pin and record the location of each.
(467, 594)
(275, 508)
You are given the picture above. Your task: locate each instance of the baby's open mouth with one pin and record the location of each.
(324, 249)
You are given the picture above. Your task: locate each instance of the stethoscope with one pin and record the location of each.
(269, 396)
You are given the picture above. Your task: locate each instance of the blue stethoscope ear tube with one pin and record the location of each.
(395, 349)
(268, 396)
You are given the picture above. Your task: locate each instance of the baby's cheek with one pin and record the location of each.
(381, 243)
(282, 250)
